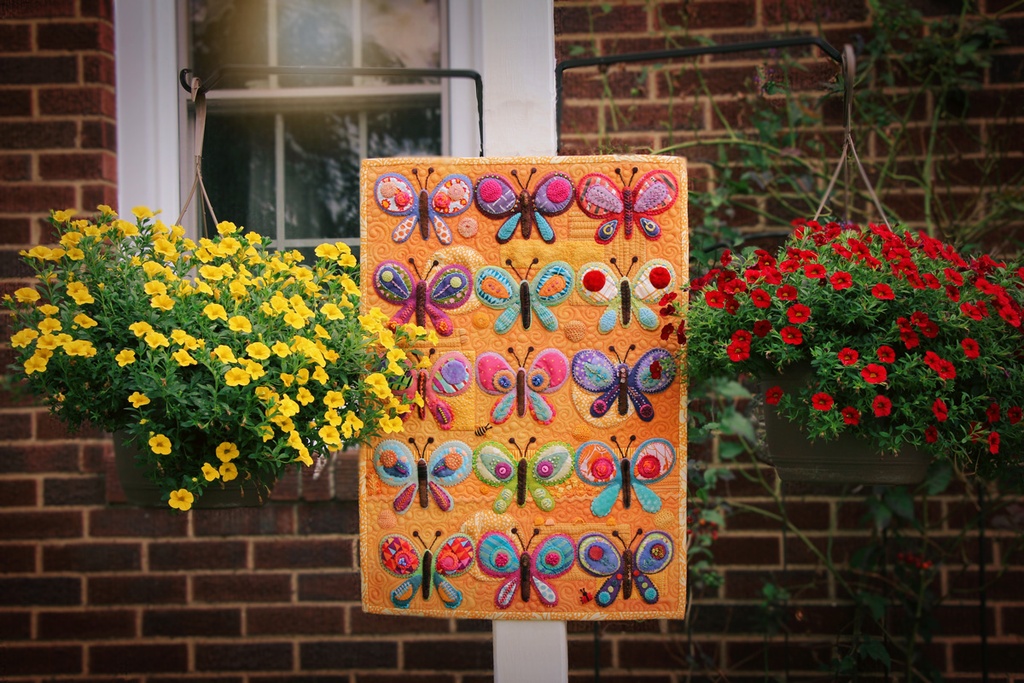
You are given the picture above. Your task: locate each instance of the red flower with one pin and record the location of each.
(992, 414)
(883, 292)
(952, 293)
(762, 328)
(953, 277)
(971, 311)
(882, 406)
(822, 401)
(886, 354)
(732, 305)
(668, 298)
(792, 335)
(873, 373)
(666, 331)
(909, 338)
(848, 356)
(841, 280)
(761, 298)
(815, 271)
(787, 293)
(851, 415)
(993, 443)
(738, 351)
(940, 410)
(773, 396)
(931, 434)
(734, 286)
(798, 313)
(1014, 414)
(714, 298)
(741, 337)
(946, 369)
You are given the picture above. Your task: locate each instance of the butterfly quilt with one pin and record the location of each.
(540, 471)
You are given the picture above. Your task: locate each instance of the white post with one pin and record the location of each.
(517, 42)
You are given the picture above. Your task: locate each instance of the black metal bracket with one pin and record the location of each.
(775, 44)
(210, 82)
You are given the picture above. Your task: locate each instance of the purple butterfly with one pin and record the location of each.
(450, 287)
(618, 384)
(497, 198)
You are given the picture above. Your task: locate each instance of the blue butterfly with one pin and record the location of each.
(550, 559)
(620, 385)
(599, 557)
(497, 198)
(598, 465)
(449, 464)
(396, 196)
(518, 298)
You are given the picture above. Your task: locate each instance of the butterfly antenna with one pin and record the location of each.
(635, 169)
(529, 350)
(412, 262)
(434, 264)
(536, 532)
(617, 356)
(437, 535)
(534, 262)
(515, 531)
(512, 440)
(512, 352)
(508, 262)
(631, 264)
(416, 535)
(532, 171)
(638, 534)
(430, 171)
(615, 262)
(631, 348)
(416, 175)
(618, 172)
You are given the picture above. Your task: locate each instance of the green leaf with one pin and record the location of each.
(733, 389)
(899, 500)
(939, 476)
(740, 425)
(876, 604)
(730, 450)
(874, 649)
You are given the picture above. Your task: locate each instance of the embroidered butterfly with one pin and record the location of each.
(395, 194)
(521, 389)
(450, 287)
(495, 465)
(499, 558)
(401, 558)
(618, 384)
(497, 198)
(623, 296)
(449, 464)
(601, 198)
(599, 557)
(449, 376)
(518, 298)
(598, 465)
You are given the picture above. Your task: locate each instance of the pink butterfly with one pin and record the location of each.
(600, 197)
(522, 388)
(449, 376)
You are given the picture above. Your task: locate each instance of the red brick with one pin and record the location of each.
(231, 588)
(329, 586)
(219, 554)
(39, 592)
(645, 654)
(199, 623)
(581, 653)
(747, 584)
(35, 199)
(270, 520)
(328, 518)
(137, 523)
(387, 623)
(737, 548)
(410, 677)
(87, 490)
(14, 231)
(78, 102)
(18, 558)
(805, 515)
(94, 195)
(15, 167)
(99, 135)
(40, 661)
(100, 9)
(93, 166)
(824, 11)
(593, 19)
(38, 9)
(15, 37)
(457, 655)
(41, 525)
(16, 103)
(774, 656)
(294, 620)
(92, 557)
(302, 554)
(314, 656)
(15, 626)
(578, 119)
(34, 70)
(89, 625)
(18, 493)
(98, 69)
(136, 590)
(704, 15)
(229, 656)
(134, 658)
(75, 37)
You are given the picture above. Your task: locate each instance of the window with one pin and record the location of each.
(281, 153)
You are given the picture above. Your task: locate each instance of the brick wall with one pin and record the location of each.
(94, 590)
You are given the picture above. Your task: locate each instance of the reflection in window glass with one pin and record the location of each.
(227, 32)
(238, 170)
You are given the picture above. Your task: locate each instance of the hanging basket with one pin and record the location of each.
(142, 492)
(845, 460)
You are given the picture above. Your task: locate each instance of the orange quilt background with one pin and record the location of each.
(474, 245)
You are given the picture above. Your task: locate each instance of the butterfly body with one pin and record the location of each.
(524, 571)
(396, 195)
(450, 376)
(496, 466)
(519, 298)
(625, 569)
(598, 465)
(425, 571)
(497, 197)
(449, 288)
(625, 298)
(523, 389)
(627, 206)
(619, 385)
(420, 478)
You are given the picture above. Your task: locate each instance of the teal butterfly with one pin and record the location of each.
(516, 297)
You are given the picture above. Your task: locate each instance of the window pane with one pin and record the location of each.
(411, 131)
(238, 170)
(401, 33)
(315, 33)
(227, 32)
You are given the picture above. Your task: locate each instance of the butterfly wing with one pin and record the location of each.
(498, 558)
(655, 192)
(395, 284)
(496, 377)
(496, 289)
(450, 287)
(549, 466)
(656, 278)
(497, 198)
(594, 372)
(550, 287)
(596, 464)
(453, 558)
(449, 198)
(600, 286)
(552, 558)
(495, 466)
(553, 197)
(449, 464)
(599, 557)
(644, 379)
(654, 553)
(394, 463)
(450, 376)
(651, 462)
(547, 374)
(399, 557)
(600, 197)
(396, 196)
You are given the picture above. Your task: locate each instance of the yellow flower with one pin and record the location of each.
(254, 369)
(332, 417)
(320, 376)
(71, 239)
(160, 444)
(253, 238)
(391, 425)
(23, 338)
(265, 393)
(258, 350)
(210, 472)
(321, 332)
(163, 302)
(229, 246)
(63, 216)
(239, 323)
(26, 295)
(152, 269)
(304, 458)
(348, 284)
(48, 325)
(138, 399)
(80, 347)
(224, 354)
(80, 293)
(48, 342)
(204, 288)
(287, 379)
(352, 425)
(140, 329)
(304, 397)
(288, 407)
(215, 311)
(267, 430)
(125, 357)
(227, 451)
(76, 254)
(226, 228)
(142, 212)
(155, 339)
(181, 499)
(331, 436)
(302, 376)
(183, 358)
(332, 311)
(48, 309)
(125, 228)
(179, 337)
(295, 320)
(211, 272)
(37, 363)
(106, 210)
(379, 385)
(334, 399)
(237, 377)
(84, 321)
(165, 248)
(228, 471)
(154, 287)
(328, 251)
